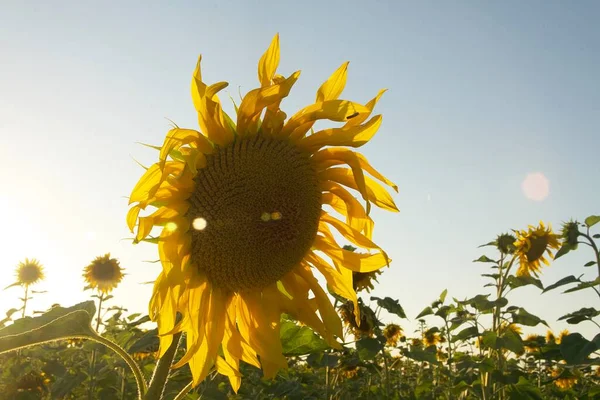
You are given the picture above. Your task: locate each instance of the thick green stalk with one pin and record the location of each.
(137, 372)
(161, 371)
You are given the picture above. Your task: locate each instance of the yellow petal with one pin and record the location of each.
(333, 87)
(269, 62)
(363, 117)
(178, 137)
(334, 110)
(354, 261)
(257, 100)
(349, 233)
(132, 216)
(335, 156)
(328, 313)
(356, 215)
(211, 118)
(353, 136)
(375, 193)
(339, 283)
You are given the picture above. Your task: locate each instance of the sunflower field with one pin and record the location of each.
(261, 222)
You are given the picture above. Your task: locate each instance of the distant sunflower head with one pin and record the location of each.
(29, 272)
(366, 324)
(570, 234)
(432, 337)
(533, 342)
(505, 243)
(550, 338)
(350, 371)
(364, 280)
(564, 333)
(531, 247)
(247, 205)
(392, 333)
(563, 378)
(514, 328)
(104, 273)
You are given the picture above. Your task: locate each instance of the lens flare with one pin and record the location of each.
(536, 186)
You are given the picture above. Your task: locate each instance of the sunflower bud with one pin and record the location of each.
(570, 233)
(505, 243)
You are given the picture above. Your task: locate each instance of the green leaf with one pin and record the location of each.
(423, 355)
(512, 341)
(299, 340)
(489, 339)
(12, 285)
(564, 281)
(589, 263)
(523, 317)
(443, 295)
(58, 323)
(492, 243)
(583, 285)
(576, 349)
(390, 305)
(368, 348)
(564, 249)
(582, 314)
(426, 311)
(466, 333)
(524, 390)
(147, 343)
(518, 281)
(592, 220)
(596, 236)
(484, 259)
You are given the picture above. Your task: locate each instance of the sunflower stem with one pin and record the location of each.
(161, 371)
(25, 300)
(137, 372)
(596, 251)
(183, 391)
(93, 362)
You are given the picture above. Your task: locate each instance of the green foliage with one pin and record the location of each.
(58, 323)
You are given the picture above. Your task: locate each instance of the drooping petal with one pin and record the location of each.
(334, 110)
(335, 156)
(354, 261)
(375, 193)
(353, 136)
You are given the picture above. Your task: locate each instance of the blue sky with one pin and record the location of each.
(480, 95)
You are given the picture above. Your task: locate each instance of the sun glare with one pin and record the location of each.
(536, 186)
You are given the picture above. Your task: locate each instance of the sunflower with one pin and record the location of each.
(569, 234)
(564, 333)
(531, 246)
(241, 206)
(550, 338)
(505, 243)
(432, 338)
(104, 273)
(350, 371)
(392, 333)
(29, 272)
(533, 342)
(364, 280)
(362, 327)
(564, 378)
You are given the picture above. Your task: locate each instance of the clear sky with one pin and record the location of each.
(481, 94)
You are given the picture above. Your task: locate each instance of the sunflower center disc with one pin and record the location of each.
(538, 246)
(255, 212)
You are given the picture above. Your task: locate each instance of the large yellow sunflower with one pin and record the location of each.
(531, 246)
(241, 206)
